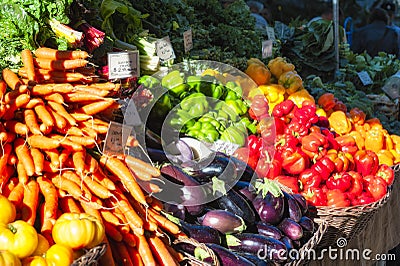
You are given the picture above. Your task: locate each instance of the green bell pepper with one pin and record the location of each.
(181, 119)
(251, 126)
(174, 82)
(233, 135)
(148, 81)
(238, 105)
(195, 104)
(203, 131)
(233, 86)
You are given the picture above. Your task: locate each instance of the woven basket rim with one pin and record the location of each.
(91, 256)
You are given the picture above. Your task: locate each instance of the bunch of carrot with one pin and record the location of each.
(46, 168)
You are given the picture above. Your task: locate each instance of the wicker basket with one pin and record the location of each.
(91, 256)
(302, 260)
(347, 222)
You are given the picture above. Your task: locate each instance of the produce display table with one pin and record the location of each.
(380, 236)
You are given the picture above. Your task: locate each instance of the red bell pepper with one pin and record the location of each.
(314, 145)
(290, 181)
(255, 144)
(356, 187)
(259, 107)
(366, 162)
(324, 167)
(347, 144)
(336, 198)
(364, 198)
(387, 173)
(280, 126)
(283, 108)
(294, 160)
(341, 181)
(286, 140)
(297, 127)
(310, 179)
(274, 169)
(375, 185)
(330, 136)
(243, 154)
(315, 196)
(343, 161)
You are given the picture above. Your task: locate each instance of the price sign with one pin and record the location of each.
(164, 49)
(365, 78)
(225, 147)
(266, 49)
(116, 138)
(131, 115)
(188, 40)
(270, 33)
(123, 64)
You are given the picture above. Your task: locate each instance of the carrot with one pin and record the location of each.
(30, 202)
(22, 175)
(17, 195)
(46, 224)
(69, 186)
(96, 107)
(109, 217)
(9, 186)
(3, 88)
(88, 131)
(149, 223)
(50, 88)
(58, 108)
(15, 93)
(16, 127)
(59, 64)
(23, 154)
(88, 142)
(64, 142)
(106, 85)
(33, 102)
(43, 142)
(91, 165)
(155, 203)
(31, 121)
(89, 209)
(129, 239)
(55, 97)
(96, 188)
(160, 251)
(14, 104)
(11, 78)
(163, 222)
(48, 167)
(5, 151)
(134, 220)
(45, 129)
(50, 205)
(27, 60)
(54, 156)
(64, 156)
(72, 176)
(90, 90)
(12, 158)
(79, 97)
(46, 75)
(144, 250)
(100, 177)
(80, 116)
(68, 204)
(112, 232)
(177, 255)
(119, 169)
(135, 256)
(78, 160)
(125, 259)
(6, 136)
(71, 131)
(140, 166)
(50, 53)
(60, 121)
(44, 115)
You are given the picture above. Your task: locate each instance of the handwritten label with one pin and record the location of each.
(123, 64)
(266, 49)
(365, 78)
(131, 115)
(188, 40)
(116, 138)
(164, 49)
(225, 147)
(270, 33)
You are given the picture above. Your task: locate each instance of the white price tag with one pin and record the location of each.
(266, 49)
(131, 115)
(164, 49)
(123, 64)
(188, 40)
(365, 78)
(116, 138)
(225, 147)
(270, 33)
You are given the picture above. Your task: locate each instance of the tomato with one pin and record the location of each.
(42, 247)
(59, 255)
(18, 237)
(8, 259)
(78, 230)
(8, 212)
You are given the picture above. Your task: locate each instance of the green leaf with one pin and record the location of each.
(200, 253)
(218, 186)
(232, 241)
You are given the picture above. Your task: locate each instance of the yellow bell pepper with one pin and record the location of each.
(274, 93)
(360, 142)
(259, 73)
(374, 140)
(385, 157)
(214, 73)
(291, 81)
(279, 65)
(300, 96)
(320, 112)
(396, 156)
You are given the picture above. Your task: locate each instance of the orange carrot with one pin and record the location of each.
(108, 256)
(96, 188)
(81, 97)
(33, 102)
(5, 151)
(11, 78)
(17, 195)
(124, 255)
(59, 64)
(161, 253)
(30, 202)
(80, 116)
(119, 169)
(55, 97)
(112, 232)
(64, 156)
(27, 60)
(68, 204)
(106, 86)
(22, 175)
(50, 205)
(71, 131)
(44, 115)
(46, 89)
(135, 256)
(14, 104)
(108, 216)
(88, 208)
(88, 142)
(91, 164)
(72, 176)
(78, 160)
(5, 174)
(179, 257)
(155, 203)
(54, 156)
(6, 136)
(60, 121)
(96, 107)
(23, 154)
(134, 220)
(12, 158)
(69, 186)
(144, 250)
(15, 93)
(9, 186)
(140, 166)
(64, 142)
(100, 177)
(163, 222)
(48, 167)
(16, 127)
(50, 53)
(61, 111)
(149, 223)
(129, 239)
(99, 129)
(45, 129)
(43, 142)
(90, 90)
(31, 121)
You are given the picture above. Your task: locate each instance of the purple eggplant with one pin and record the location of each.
(307, 223)
(255, 259)
(233, 202)
(262, 246)
(301, 200)
(221, 167)
(244, 170)
(157, 155)
(268, 230)
(201, 233)
(288, 242)
(227, 257)
(270, 208)
(291, 229)
(178, 211)
(292, 208)
(223, 221)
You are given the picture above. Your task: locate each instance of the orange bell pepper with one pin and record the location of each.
(327, 101)
(374, 140)
(259, 73)
(396, 156)
(396, 142)
(374, 123)
(385, 157)
(360, 142)
(339, 122)
(357, 116)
